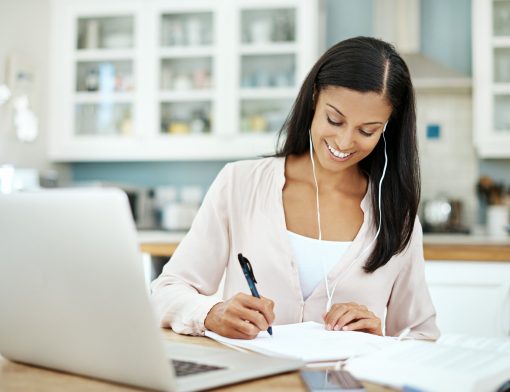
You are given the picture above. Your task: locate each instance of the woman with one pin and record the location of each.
(329, 223)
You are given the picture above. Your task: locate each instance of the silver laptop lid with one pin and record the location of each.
(71, 279)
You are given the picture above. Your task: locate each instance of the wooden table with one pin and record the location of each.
(16, 377)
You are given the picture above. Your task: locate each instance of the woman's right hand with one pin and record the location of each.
(241, 317)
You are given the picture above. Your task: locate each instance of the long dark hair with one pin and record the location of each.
(367, 64)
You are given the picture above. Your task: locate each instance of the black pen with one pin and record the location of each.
(250, 278)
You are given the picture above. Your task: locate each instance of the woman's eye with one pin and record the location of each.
(333, 122)
(366, 133)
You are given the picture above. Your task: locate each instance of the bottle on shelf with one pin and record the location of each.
(201, 78)
(194, 31)
(126, 124)
(261, 31)
(92, 34)
(198, 122)
(92, 80)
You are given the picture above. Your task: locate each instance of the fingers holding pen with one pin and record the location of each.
(263, 305)
(241, 317)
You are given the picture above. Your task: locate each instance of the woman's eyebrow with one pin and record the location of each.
(339, 112)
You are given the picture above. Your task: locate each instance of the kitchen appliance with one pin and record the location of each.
(178, 215)
(141, 200)
(443, 215)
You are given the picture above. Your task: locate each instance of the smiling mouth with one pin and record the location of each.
(337, 153)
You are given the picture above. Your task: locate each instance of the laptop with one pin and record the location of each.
(73, 298)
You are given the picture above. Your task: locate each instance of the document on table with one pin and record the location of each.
(454, 363)
(310, 342)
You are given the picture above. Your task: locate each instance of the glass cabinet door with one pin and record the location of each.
(267, 76)
(104, 75)
(186, 72)
(501, 65)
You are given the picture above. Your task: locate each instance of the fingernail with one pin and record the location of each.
(328, 327)
(337, 328)
(346, 328)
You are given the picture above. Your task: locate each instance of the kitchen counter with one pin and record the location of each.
(159, 243)
(464, 247)
(452, 247)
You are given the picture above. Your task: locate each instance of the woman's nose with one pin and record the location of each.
(345, 139)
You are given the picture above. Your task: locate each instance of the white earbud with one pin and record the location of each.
(328, 292)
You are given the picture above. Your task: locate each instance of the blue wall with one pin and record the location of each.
(446, 32)
(446, 37)
(150, 174)
(347, 18)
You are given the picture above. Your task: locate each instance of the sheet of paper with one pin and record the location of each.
(310, 342)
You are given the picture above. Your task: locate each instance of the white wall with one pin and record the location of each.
(449, 165)
(24, 30)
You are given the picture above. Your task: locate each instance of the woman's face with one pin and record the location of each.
(347, 125)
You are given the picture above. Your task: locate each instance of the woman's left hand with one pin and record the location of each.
(352, 317)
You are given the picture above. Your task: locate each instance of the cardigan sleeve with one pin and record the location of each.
(410, 304)
(183, 294)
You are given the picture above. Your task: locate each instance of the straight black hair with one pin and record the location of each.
(367, 64)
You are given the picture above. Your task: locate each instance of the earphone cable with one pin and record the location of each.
(337, 281)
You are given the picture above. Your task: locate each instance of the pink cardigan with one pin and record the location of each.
(243, 213)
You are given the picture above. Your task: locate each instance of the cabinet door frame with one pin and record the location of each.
(489, 142)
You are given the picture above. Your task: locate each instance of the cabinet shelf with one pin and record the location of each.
(270, 48)
(501, 42)
(186, 51)
(104, 54)
(267, 93)
(501, 89)
(100, 97)
(193, 95)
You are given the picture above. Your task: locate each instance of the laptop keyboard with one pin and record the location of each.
(186, 368)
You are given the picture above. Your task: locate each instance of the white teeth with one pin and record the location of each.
(337, 153)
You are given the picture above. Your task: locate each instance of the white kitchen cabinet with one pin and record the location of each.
(471, 297)
(169, 79)
(491, 77)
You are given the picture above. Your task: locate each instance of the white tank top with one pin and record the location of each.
(315, 259)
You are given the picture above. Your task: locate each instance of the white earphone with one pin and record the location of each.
(328, 292)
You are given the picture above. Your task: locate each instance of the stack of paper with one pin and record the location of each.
(454, 363)
(310, 342)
